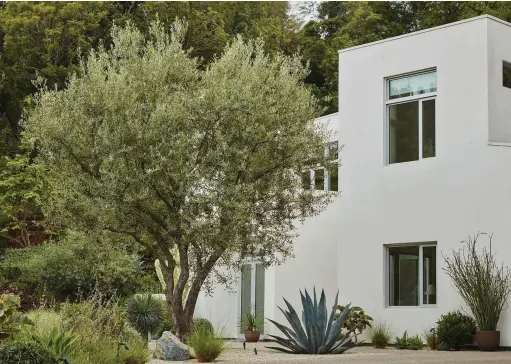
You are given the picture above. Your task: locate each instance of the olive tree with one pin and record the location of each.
(201, 166)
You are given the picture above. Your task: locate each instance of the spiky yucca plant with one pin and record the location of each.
(319, 333)
(144, 313)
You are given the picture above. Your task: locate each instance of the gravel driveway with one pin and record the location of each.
(356, 356)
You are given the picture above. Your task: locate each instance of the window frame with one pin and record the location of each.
(505, 64)
(420, 275)
(333, 161)
(326, 175)
(420, 98)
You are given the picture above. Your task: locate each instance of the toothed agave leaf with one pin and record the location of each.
(317, 332)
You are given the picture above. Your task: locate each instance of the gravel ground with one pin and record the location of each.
(356, 356)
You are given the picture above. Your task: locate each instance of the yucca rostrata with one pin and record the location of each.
(319, 333)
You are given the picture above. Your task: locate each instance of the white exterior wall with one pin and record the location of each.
(464, 189)
(499, 111)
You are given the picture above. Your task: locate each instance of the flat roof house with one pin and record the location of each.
(425, 121)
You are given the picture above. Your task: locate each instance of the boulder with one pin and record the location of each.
(168, 347)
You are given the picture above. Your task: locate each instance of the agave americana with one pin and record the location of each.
(319, 333)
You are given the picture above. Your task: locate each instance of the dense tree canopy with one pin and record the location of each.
(147, 143)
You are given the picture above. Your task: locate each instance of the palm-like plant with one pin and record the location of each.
(319, 333)
(144, 313)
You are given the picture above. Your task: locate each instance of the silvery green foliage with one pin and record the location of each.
(146, 143)
(316, 333)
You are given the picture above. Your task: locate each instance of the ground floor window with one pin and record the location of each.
(411, 274)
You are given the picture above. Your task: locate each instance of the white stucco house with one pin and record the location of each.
(425, 121)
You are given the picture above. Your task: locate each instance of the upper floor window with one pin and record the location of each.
(324, 179)
(506, 74)
(411, 117)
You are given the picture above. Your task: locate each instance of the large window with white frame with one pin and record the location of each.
(411, 274)
(324, 179)
(410, 105)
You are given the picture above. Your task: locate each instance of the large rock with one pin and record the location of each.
(168, 347)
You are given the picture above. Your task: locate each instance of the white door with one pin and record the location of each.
(252, 291)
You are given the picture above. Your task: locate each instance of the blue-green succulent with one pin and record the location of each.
(318, 332)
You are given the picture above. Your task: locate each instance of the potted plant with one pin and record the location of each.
(483, 284)
(251, 324)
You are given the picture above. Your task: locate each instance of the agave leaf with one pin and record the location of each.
(306, 317)
(287, 331)
(322, 318)
(347, 337)
(301, 338)
(340, 350)
(297, 325)
(309, 315)
(331, 319)
(337, 327)
(290, 344)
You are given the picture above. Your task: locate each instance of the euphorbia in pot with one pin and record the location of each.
(483, 284)
(251, 324)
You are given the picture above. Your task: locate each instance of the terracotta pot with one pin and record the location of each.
(488, 340)
(252, 336)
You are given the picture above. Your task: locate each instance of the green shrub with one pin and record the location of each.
(75, 265)
(16, 352)
(409, 342)
(402, 342)
(206, 344)
(415, 343)
(145, 313)
(380, 335)
(455, 330)
(202, 324)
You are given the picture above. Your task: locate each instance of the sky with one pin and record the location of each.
(304, 10)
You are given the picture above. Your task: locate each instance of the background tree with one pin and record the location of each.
(147, 144)
(44, 39)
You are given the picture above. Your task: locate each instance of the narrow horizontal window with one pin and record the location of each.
(412, 85)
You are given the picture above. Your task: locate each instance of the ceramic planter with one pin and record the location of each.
(252, 336)
(488, 340)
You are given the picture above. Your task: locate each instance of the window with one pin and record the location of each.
(411, 117)
(325, 179)
(506, 74)
(333, 150)
(411, 271)
(333, 177)
(319, 179)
